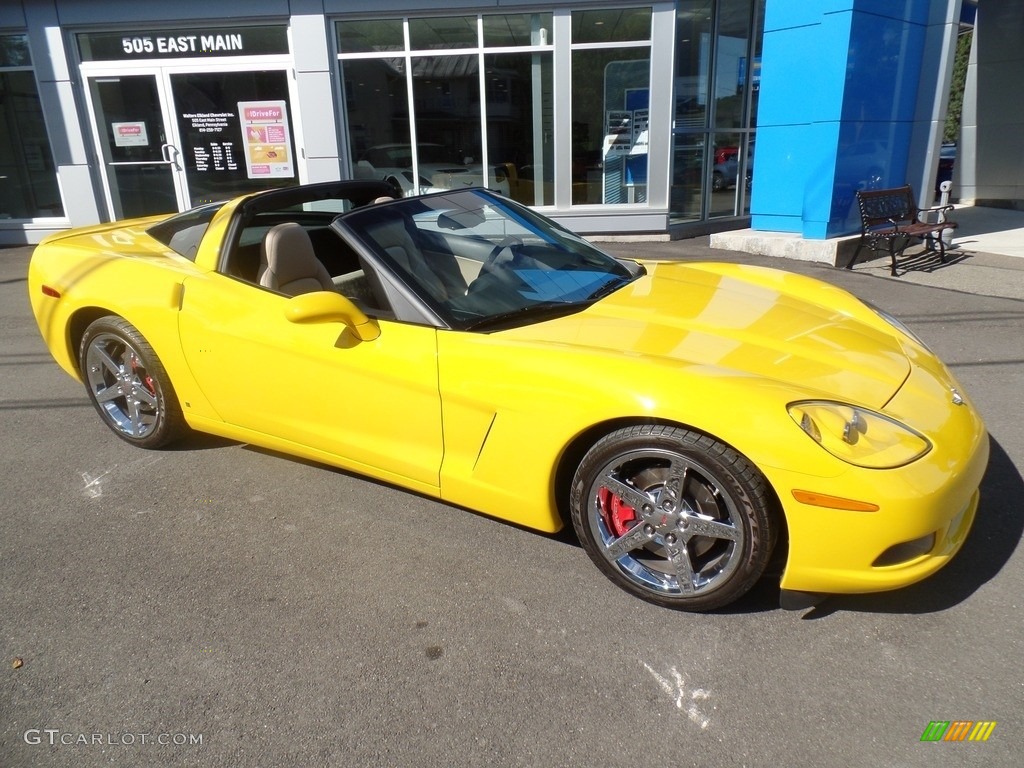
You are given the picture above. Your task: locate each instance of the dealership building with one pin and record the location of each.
(666, 119)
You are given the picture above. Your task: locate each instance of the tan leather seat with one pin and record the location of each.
(396, 241)
(288, 263)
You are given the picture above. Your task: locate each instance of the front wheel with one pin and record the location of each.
(673, 516)
(128, 384)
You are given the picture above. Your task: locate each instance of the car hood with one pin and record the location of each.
(746, 321)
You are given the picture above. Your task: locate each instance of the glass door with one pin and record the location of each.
(235, 131)
(174, 137)
(141, 163)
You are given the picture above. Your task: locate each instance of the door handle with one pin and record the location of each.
(171, 154)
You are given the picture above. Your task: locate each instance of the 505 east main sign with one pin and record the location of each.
(181, 43)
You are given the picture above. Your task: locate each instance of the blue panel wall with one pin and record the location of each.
(839, 86)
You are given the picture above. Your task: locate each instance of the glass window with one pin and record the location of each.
(378, 114)
(611, 25)
(729, 173)
(28, 177)
(755, 63)
(517, 29)
(446, 101)
(248, 147)
(446, 111)
(611, 86)
(716, 84)
(14, 51)
(377, 35)
(692, 74)
(489, 120)
(442, 33)
(520, 125)
(732, 63)
(689, 124)
(610, 99)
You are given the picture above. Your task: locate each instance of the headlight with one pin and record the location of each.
(859, 436)
(897, 324)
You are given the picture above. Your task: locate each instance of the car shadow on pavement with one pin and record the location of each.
(200, 441)
(997, 531)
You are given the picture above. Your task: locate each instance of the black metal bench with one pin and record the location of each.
(891, 216)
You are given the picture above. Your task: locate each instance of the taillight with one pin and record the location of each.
(51, 292)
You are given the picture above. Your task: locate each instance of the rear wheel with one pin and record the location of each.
(673, 516)
(128, 384)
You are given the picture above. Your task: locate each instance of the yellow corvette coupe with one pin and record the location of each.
(687, 420)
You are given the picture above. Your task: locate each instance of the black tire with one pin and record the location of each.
(674, 516)
(128, 385)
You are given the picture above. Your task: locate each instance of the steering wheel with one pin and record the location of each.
(495, 272)
(502, 255)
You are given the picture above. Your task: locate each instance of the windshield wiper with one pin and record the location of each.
(610, 287)
(544, 310)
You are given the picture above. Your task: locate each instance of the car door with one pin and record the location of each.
(374, 405)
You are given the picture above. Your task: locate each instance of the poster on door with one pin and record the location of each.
(267, 139)
(131, 134)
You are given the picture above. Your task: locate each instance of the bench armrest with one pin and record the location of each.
(940, 211)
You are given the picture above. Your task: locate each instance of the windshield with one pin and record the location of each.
(483, 262)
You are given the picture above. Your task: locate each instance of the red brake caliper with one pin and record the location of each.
(148, 381)
(616, 514)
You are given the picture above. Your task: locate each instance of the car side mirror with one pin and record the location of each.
(331, 307)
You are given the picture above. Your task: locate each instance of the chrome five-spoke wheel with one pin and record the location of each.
(128, 385)
(673, 516)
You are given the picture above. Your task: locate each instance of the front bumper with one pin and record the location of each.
(925, 509)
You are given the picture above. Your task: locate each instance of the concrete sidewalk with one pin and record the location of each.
(989, 230)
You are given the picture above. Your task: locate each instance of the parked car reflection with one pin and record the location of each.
(438, 169)
(725, 172)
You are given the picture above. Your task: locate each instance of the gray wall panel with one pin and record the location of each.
(319, 123)
(309, 43)
(322, 169)
(990, 159)
(62, 122)
(660, 133)
(91, 12)
(611, 223)
(12, 15)
(81, 203)
(932, 102)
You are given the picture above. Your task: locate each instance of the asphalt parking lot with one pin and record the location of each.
(217, 605)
